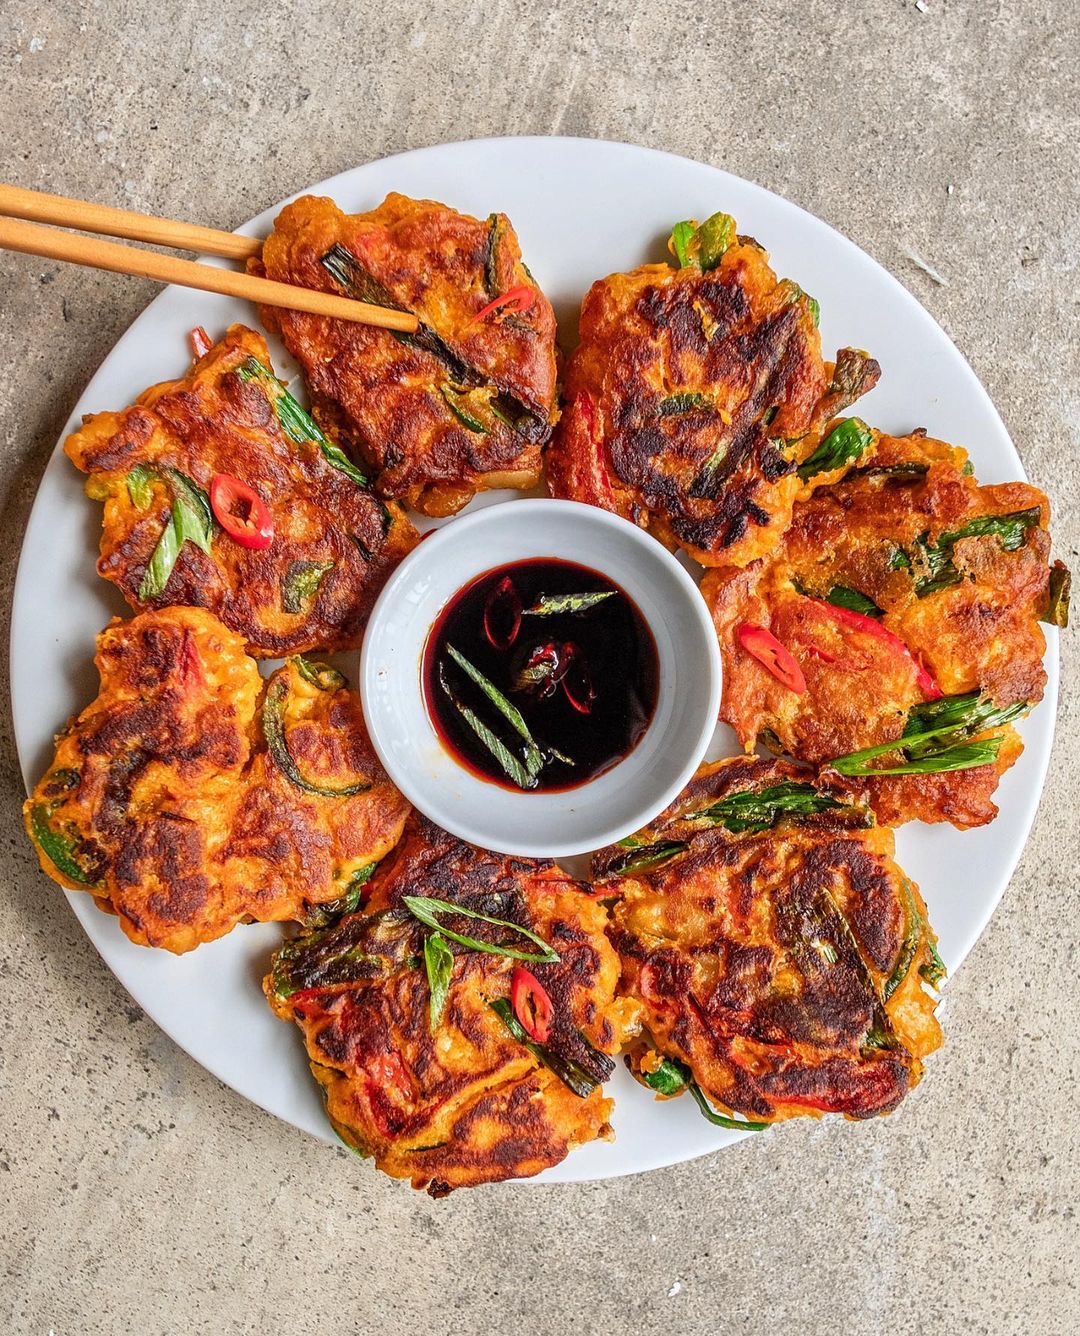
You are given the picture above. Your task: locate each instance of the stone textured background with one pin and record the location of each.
(136, 1193)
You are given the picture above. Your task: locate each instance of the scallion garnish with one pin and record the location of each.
(936, 558)
(754, 812)
(846, 441)
(572, 1074)
(429, 910)
(534, 758)
(190, 520)
(273, 721)
(439, 964)
(547, 605)
(301, 583)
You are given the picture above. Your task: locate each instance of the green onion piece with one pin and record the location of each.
(685, 401)
(139, 481)
(631, 842)
(964, 757)
(842, 596)
(59, 850)
(344, 268)
(549, 604)
(439, 964)
(681, 236)
(427, 910)
(668, 1079)
(457, 404)
(569, 1072)
(301, 583)
(721, 1119)
(934, 733)
(846, 441)
(324, 959)
(190, 520)
(273, 720)
(714, 236)
(912, 937)
(534, 759)
(297, 425)
(905, 471)
(941, 572)
(651, 856)
(815, 310)
(853, 375)
(491, 256)
(1060, 588)
(348, 903)
(741, 812)
(505, 758)
(934, 970)
(320, 675)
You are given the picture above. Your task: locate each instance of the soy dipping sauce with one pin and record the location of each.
(566, 649)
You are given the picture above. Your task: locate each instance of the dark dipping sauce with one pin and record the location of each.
(581, 678)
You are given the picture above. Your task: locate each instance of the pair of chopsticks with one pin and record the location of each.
(23, 211)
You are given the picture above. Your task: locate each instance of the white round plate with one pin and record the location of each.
(582, 209)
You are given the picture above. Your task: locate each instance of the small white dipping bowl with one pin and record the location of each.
(614, 803)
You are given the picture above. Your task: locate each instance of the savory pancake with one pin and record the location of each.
(442, 1055)
(899, 612)
(778, 953)
(463, 404)
(190, 797)
(221, 493)
(695, 394)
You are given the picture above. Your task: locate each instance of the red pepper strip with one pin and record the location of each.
(772, 656)
(587, 409)
(647, 983)
(201, 342)
(860, 622)
(816, 652)
(191, 673)
(241, 512)
(502, 614)
(531, 1004)
(513, 301)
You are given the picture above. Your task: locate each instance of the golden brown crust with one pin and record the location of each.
(782, 966)
(165, 793)
(390, 397)
(690, 399)
(866, 531)
(213, 421)
(468, 1104)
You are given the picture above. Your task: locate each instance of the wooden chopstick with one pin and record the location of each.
(37, 207)
(33, 239)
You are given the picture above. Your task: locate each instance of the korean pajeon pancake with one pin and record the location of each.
(901, 607)
(466, 402)
(158, 465)
(191, 796)
(695, 393)
(450, 1065)
(781, 959)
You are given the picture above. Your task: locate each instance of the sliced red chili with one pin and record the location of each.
(531, 1004)
(241, 511)
(544, 669)
(502, 614)
(577, 683)
(858, 621)
(201, 342)
(513, 301)
(772, 656)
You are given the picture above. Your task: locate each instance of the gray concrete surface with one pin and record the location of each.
(139, 1195)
